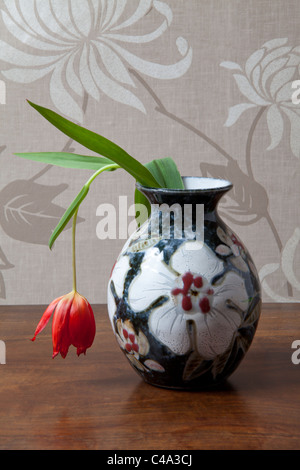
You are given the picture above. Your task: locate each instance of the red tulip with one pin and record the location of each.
(73, 324)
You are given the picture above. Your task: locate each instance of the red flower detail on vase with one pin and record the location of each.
(195, 290)
(132, 342)
(136, 346)
(204, 305)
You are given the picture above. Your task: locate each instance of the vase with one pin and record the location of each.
(184, 296)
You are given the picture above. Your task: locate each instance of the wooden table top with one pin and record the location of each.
(97, 401)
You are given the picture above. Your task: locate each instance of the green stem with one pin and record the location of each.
(162, 109)
(74, 249)
(69, 213)
(87, 184)
(113, 166)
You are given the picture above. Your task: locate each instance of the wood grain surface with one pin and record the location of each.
(97, 401)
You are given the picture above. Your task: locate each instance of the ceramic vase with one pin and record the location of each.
(184, 295)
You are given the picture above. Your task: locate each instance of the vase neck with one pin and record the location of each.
(202, 191)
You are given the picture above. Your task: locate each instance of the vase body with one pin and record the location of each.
(184, 296)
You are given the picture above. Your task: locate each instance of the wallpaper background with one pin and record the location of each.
(207, 82)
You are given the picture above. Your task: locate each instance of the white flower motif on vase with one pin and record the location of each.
(191, 298)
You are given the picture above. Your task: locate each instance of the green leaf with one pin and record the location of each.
(68, 214)
(77, 201)
(68, 160)
(139, 198)
(166, 174)
(100, 145)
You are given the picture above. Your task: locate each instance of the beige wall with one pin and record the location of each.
(207, 82)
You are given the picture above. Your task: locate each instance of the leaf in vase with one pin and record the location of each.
(68, 160)
(27, 212)
(247, 201)
(166, 173)
(99, 144)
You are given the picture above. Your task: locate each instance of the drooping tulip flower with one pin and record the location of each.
(73, 323)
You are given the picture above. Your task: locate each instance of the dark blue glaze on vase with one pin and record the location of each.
(184, 305)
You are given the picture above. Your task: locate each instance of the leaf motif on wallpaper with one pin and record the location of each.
(27, 212)
(4, 264)
(86, 56)
(247, 202)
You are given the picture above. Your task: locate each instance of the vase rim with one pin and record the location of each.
(194, 184)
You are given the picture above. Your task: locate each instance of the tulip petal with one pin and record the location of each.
(46, 317)
(82, 326)
(60, 326)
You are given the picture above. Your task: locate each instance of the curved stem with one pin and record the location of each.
(40, 173)
(279, 244)
(87, 184)
(274, 231)
(74, 249)
(162, 109)
(250, 173)
(196, 131)
(249, 140)
(112, 166)
(74, 206)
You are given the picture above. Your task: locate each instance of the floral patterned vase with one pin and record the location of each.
(184, 308)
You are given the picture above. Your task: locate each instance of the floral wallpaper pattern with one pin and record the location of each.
(80, 44)
(159, 78)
